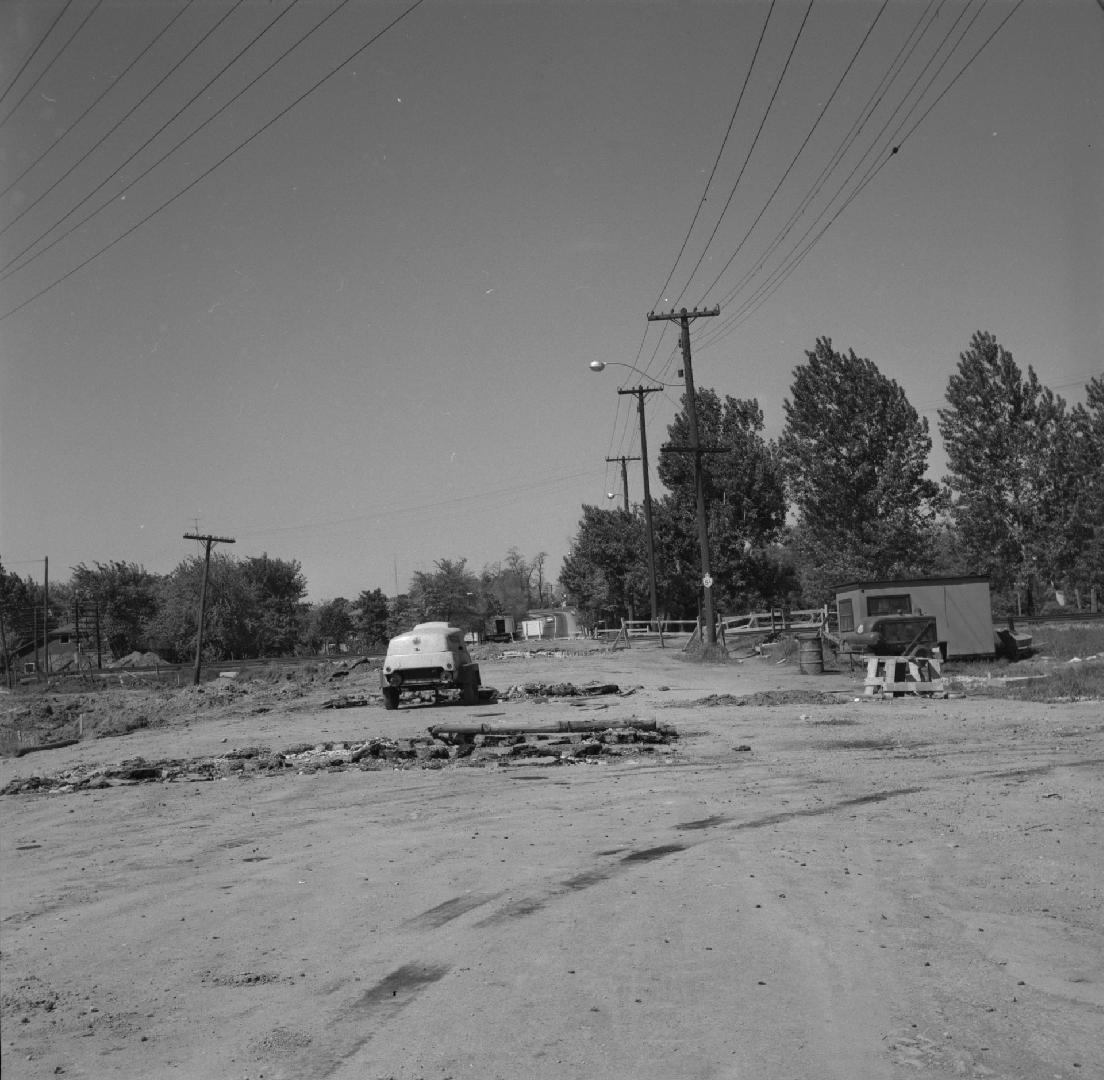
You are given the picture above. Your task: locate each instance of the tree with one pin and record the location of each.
(745, 508)
(370, 618)
(1009, 441)
(606, 571)
(254, 608)
(1085, 463)
(275, 589)
(449, 594)
(127, 597)
(331, 624)
(854, 452)
(18, 599)
(507, 587)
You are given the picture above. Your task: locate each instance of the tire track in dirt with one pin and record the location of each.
(382, 1003)
(529, 905)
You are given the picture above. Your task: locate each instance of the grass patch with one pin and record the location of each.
(1068, 665)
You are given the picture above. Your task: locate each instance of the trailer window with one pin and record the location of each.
(846, 616)
(889, 605)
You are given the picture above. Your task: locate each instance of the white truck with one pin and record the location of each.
(433, 657)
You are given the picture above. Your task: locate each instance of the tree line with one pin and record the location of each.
(843, 495)
(255, 608)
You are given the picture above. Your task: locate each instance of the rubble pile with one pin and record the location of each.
(424, 752)
(557, 748)
(543, 691)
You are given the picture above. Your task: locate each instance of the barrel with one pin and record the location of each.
(810, 654)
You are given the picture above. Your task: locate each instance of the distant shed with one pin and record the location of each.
(961, 606)
(564, 621)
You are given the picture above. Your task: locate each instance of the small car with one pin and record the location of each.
(432, 656)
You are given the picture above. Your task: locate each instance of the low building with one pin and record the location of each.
(63, 646)
(556, 622)
(961, 606)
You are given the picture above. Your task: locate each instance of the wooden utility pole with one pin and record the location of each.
(639, 392)
(46, 616)
(4, 654)
(683, 317)
(208, 541)
(624, 477)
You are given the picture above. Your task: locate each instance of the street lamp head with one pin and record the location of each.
(597, 365)
(610, 495)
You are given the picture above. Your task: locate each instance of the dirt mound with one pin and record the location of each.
(770, 697)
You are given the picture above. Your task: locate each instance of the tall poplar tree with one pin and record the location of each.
(855, 452)
(1008, 444)
(745, 507)
(1086, 465)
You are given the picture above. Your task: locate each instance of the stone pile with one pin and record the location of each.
(424, 752)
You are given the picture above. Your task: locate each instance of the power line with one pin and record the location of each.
(38, 79)
(794, 258)
(751, 150)
(435, 506)
(717, 159)
(141, 176)
(804, 143)
(107, 90)
(875, 99)
(226, 157)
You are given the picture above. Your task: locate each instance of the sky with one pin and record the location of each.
(337, 300)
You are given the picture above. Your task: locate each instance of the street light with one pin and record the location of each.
(601, 365)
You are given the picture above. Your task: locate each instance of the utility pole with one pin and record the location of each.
(6, 656)
(46, 616)
(624, 477)
(683, 317)
(208, 541)
(639, 392)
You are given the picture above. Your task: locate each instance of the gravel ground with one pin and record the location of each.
(797, 882)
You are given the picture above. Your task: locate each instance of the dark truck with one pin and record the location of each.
(896, 635)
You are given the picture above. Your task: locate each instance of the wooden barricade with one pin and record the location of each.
(895, 675)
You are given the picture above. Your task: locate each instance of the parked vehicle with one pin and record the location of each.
(432, 656)
(896, 635)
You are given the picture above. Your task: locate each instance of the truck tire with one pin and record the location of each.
(390, 697)
(469, 692)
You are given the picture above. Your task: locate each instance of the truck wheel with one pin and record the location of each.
(390, 697)
(469, 693)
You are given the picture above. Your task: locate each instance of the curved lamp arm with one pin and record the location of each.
(601, 365)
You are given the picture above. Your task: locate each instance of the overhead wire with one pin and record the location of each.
(34, 52)
(876, 97)
(717, 159)
(804, 245)
(10, 265)
(435, 506)
(760, 297)
(751, 149)
(38, 78)
(804, 143)
(705, 192)
(112, 84)
(221, 161)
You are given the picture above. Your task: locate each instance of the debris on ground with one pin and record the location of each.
(538, 691)
(768, 697)
(424, 752)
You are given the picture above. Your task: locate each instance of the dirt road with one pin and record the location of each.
(887, 889)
